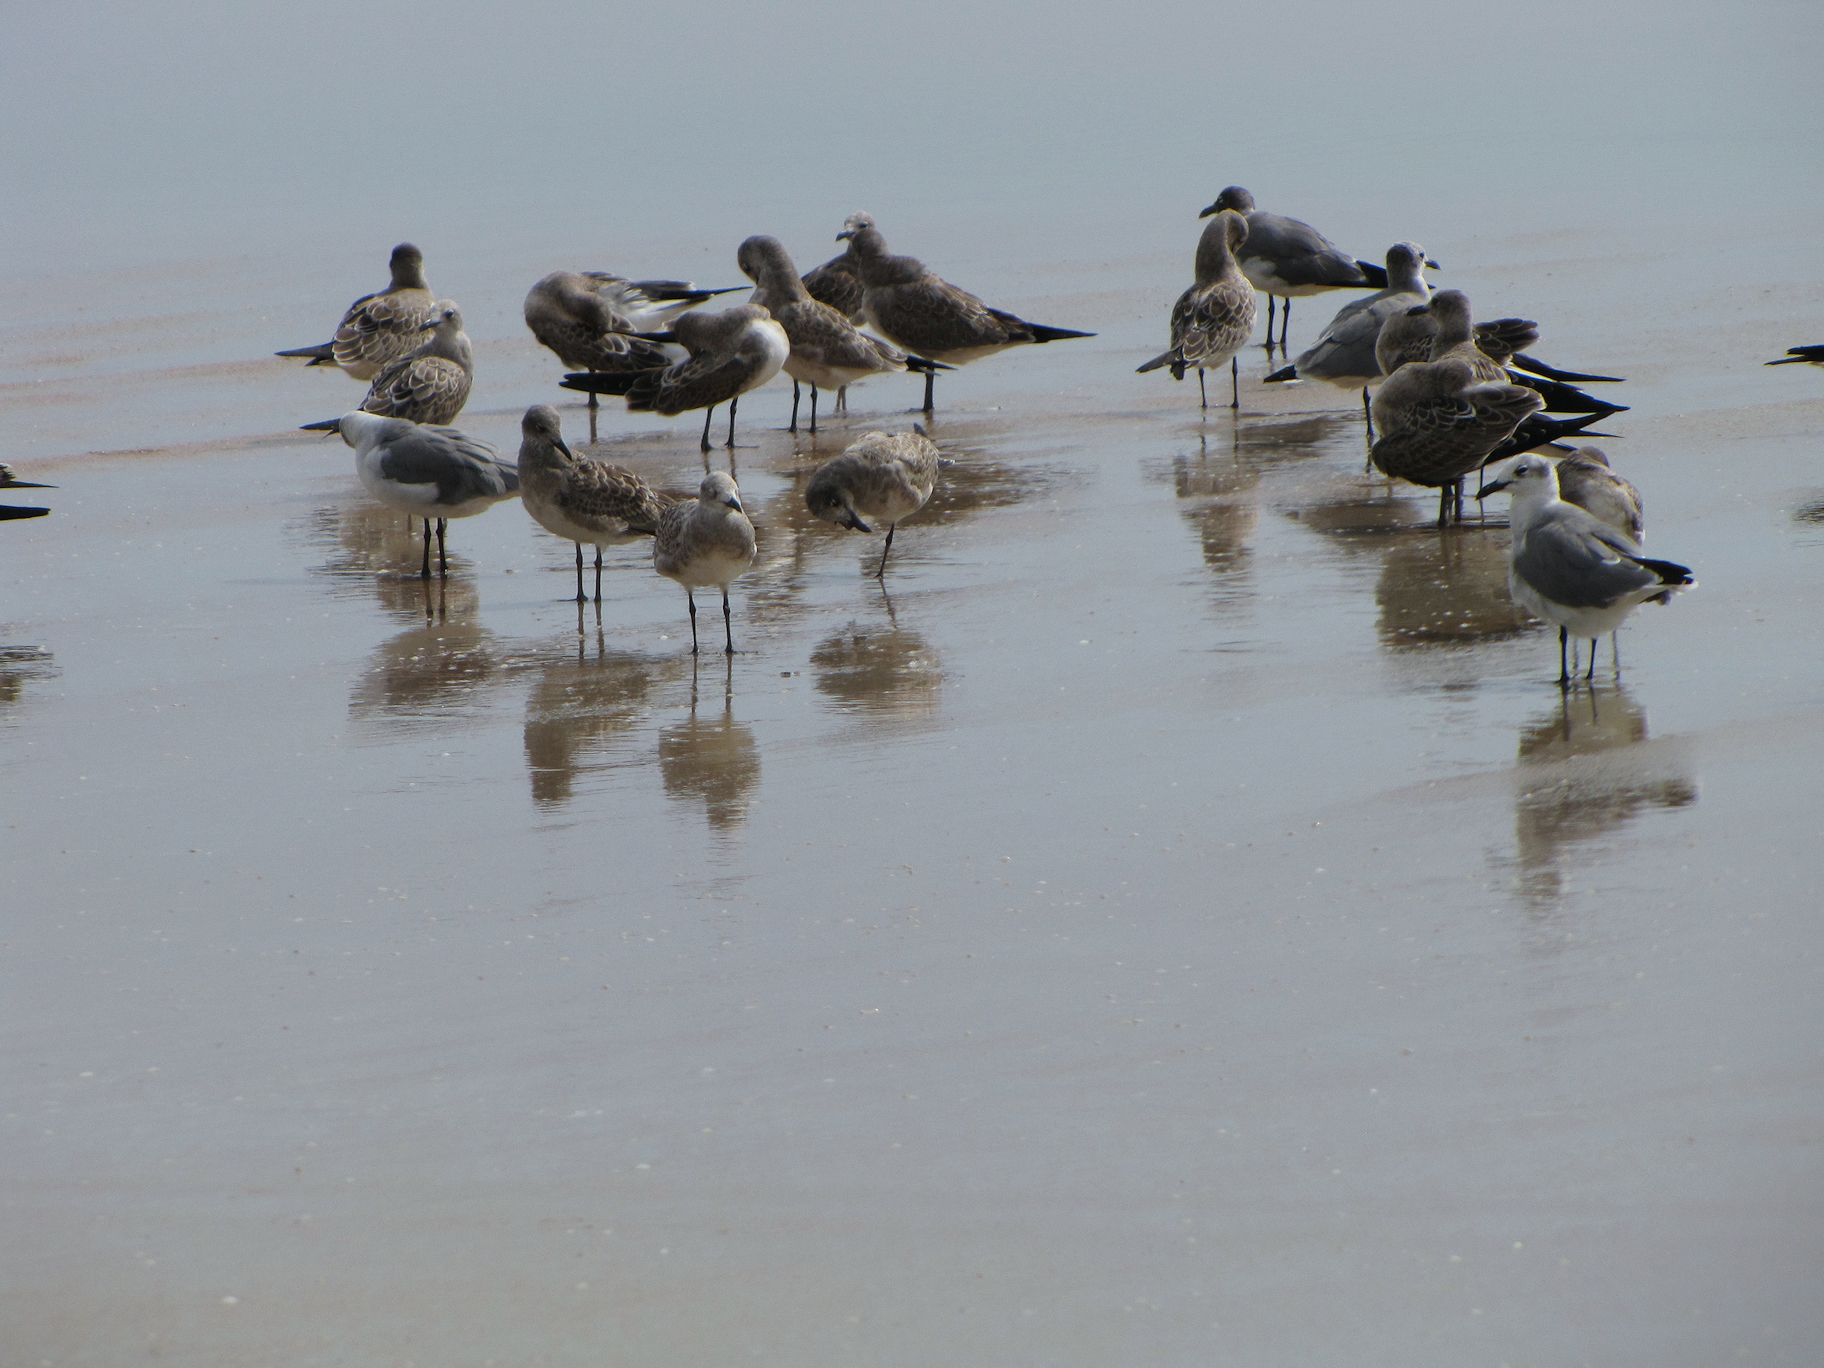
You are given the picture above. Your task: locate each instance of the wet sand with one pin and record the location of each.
(1176, 918)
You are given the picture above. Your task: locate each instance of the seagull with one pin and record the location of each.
(1585, 479)
(574, 315)
(1212, 320)
(827, 350)
(884, 476)
(8, 480)
(838, 281)
(1285, 257)
(1344, 352)
(1569, 567)
(1438, 422)
(731, 352)
(1794, 355)
(424, 471)
(428, 386)
(704, 541)
(647, 305)
(382, 327)
(578, 498)
(926, 315)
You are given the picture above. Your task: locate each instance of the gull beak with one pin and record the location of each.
(845, 235)
(327, 425)
(734, 503)
(1434, 265)
(850, 520)
(562, 446)
(1207, 212)
(1493, 487)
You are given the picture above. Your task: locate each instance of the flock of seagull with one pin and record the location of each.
(1444, 398)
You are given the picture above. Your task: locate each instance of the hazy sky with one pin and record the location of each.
(348, 122)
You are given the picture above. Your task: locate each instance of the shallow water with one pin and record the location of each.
(1174, 915)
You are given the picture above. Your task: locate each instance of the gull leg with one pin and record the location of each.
(1591, 675)
(598, 577)
(1271, 303)
(794, 426)
(1285, 317)
(730, 444)
(425, 571)
(1234, 384)
(1202, 393)
(1564, 664)
(728, 626)
(1367, 413)
(813, 410)
(579, 572)
(1444, 505)
(881, 574)
(691, 599)
(706, 417)
(930, 377)
(443, 558)
(593, 405)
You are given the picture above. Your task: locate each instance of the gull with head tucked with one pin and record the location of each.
(884, 476)
(731, 352)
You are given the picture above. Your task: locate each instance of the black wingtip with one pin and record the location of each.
(1283, 373)
(1538, 367)
(10, 511)
(1375, 275)
(1041, 333)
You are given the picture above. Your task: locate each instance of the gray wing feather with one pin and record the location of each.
(1573, 559)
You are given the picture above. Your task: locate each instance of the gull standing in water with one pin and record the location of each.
(838, 281)
(706, 541)
(917, 310)
(1285, 257)
(827, 351)
(426, 472)
(1438, 423)
(430, 385)
(580, 499)
(731, 352)
(887, 477)
(1213, 320)
(574, 314)
(382, 327)
(1344, 352)
(1569, 567)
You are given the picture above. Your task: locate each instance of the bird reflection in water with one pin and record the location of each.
(879, 670)
(1223, 509)
(366, 545)
(1586, 770)
(20, 666)
(577, 709)
(713, 762)
(1446, 588)
(429, 675)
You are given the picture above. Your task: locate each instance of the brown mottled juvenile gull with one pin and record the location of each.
(1569, 567)
(1586, 479)
(827, 350)
(426, 472)
(382, 327)
(706, 541)
(581, 499)
(1285, 258)
(1438, 423)
(731, 352)
(573, 313)
(431, 384)
(1213, 319)
(884, 476)
(838, 281)
(917, 310)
